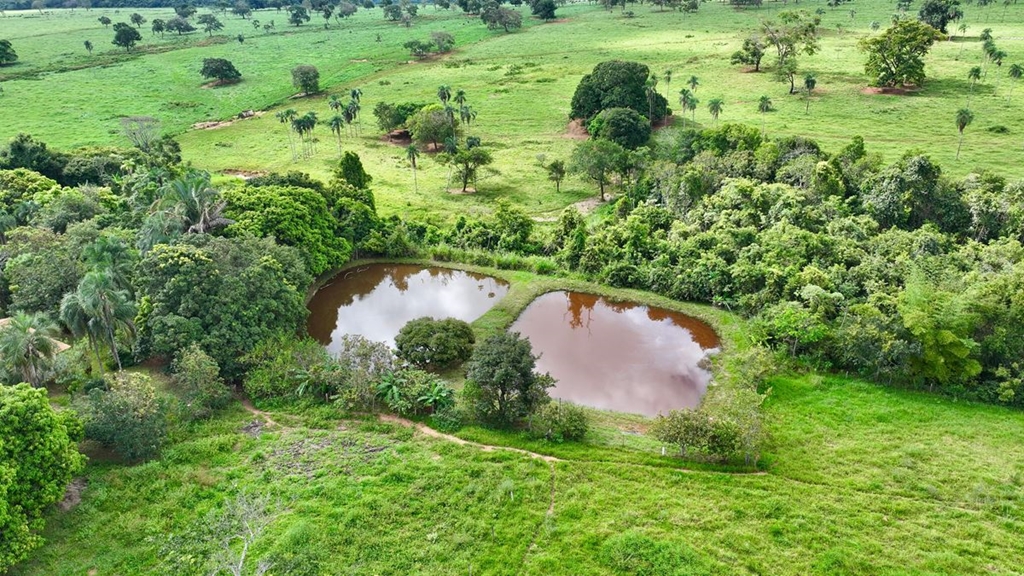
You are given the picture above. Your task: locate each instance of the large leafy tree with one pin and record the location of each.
(504, 388)
(896, 57)
(795, 32)
(43, 266)
(939, 13)
(467, 163)
(616, 84)
(210, 23)
(220, 69)
(750, 53)
(624, 126)
(38, 458)
(306, 78)
(295, 216)
(226, 294)
(125, 36)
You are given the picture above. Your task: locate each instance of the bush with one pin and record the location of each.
(366, 363)
(501, 386)
(560, 421)
(197, 378)
(411, 391)
(448, 419)
(273, 365)
(697, 433)
(128, 417)
(429, 343)
(624, 126)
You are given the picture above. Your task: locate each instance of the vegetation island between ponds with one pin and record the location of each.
(194, 195)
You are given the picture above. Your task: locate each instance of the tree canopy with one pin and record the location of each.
(7, 53)
(616, 84)
(896, 57)
(220, 69)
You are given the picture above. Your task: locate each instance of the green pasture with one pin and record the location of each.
(520, 84)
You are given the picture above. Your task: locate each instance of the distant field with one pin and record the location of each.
(520, 84)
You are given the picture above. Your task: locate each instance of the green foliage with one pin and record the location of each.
(294, 216)
(502, 388)
(432, 125)
(624, 126)
(197, 378)
(220, 69)
(560, 422)
(306, 78)
(751, 53)
(411, 391)
(125, 36)
(698, 434)
(939, 13)
(7, 53)
(38, 458)
(435, 344)
(896, 57)
(544, 9)
(496, 17)
(42, 267)
(616, 84)
(226, 294)
(391, 116)
(350, 170)
(467, 162)
(274, 365)
(597, 160)
(129, 417)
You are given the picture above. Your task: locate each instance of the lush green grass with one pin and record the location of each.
(521, 115)
(846, 493)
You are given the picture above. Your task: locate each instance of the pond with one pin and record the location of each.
(375, 301)
(618, 356)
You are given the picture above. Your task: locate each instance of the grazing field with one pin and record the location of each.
(520, 84)
(859, 480)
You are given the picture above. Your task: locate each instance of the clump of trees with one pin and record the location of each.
(498, 17)
(896, 57)
(125, 36)
(617, 84)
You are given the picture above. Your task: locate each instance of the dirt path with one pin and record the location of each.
(428, 431)
(247, 404)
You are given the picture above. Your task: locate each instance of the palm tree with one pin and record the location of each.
(715, 106)
(693, 83)
(108, 307)
(460, 97)
(335, 103)
(962, 29)
(1016, 71)
(467, 114)
(7, 221)
(356, 94)
(80, 324)
(668, 81)
(27, 345)
(411, 154)
(195, 205)
(764, 105)
(286, 117)
(809, 83)
(337, 123)
(974, 74)
(111, 254)
(650, 90)
(444, 93)
(684, 101)
(964, 117)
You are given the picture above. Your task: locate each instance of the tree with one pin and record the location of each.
(496, 16)
(88, 47)
(129, 417)
(687, 101)
(242, 10)
(297, 14)
(418, 48)
(616, 84)
(467, 163)
(504, 388)
(107, 309)
(597, 160)
(197, 378)
(764, 106)
(544, 9)
(974, 74)
(556, 173)
(795, 32)
(158, 26)
(939, 13)
(38, 458)
(220, 69)
(435, 344)
(809, 83)
(137, 19)
(431, 125)
(964, 117)
(715, 106)
(125, 36)
(27, 346)
(443, 41)
(350, 170)
(623, 126)
(179, 25)
(307, 79)
(411, 154)
(191, 204)
(336, 123)
(210, 23)
(896, 57)
(185, 11)
(1016, 72)
(104, 20)
(750, 53)
(693, 82)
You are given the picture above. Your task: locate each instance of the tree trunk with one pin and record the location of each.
(958, 146)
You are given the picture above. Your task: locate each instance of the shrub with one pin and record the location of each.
(367, 363)
(273, 365)
(624, 126)
(560, 421)
(698, 433)
(412, 391)
(448, 419)
(429, 343)
(501, 386)
(197, 378)
(128, 417)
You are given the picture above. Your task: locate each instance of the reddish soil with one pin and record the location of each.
(576, 131)
(665, 122)
(874, 90)
(243, 174)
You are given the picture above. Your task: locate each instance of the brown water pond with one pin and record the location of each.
(618, 356)
(375, 301)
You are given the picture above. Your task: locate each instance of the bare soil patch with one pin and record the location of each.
(665, 122)
(243, 174)
(213, 125)
(576, 131)
(73, 495)
(459, 191)
(359, 60)
(584, 206)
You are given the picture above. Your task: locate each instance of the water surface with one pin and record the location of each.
(375, 301)
(618, 356)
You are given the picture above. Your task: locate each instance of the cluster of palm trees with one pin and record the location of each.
(455, 102)
(345, 115)
(964, 116)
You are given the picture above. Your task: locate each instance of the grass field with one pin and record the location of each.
(519, 83)
(860, 480)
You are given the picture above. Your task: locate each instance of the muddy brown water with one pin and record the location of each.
(375, 301)
(619, 356)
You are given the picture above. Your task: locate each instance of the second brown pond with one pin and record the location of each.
(618, 356)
